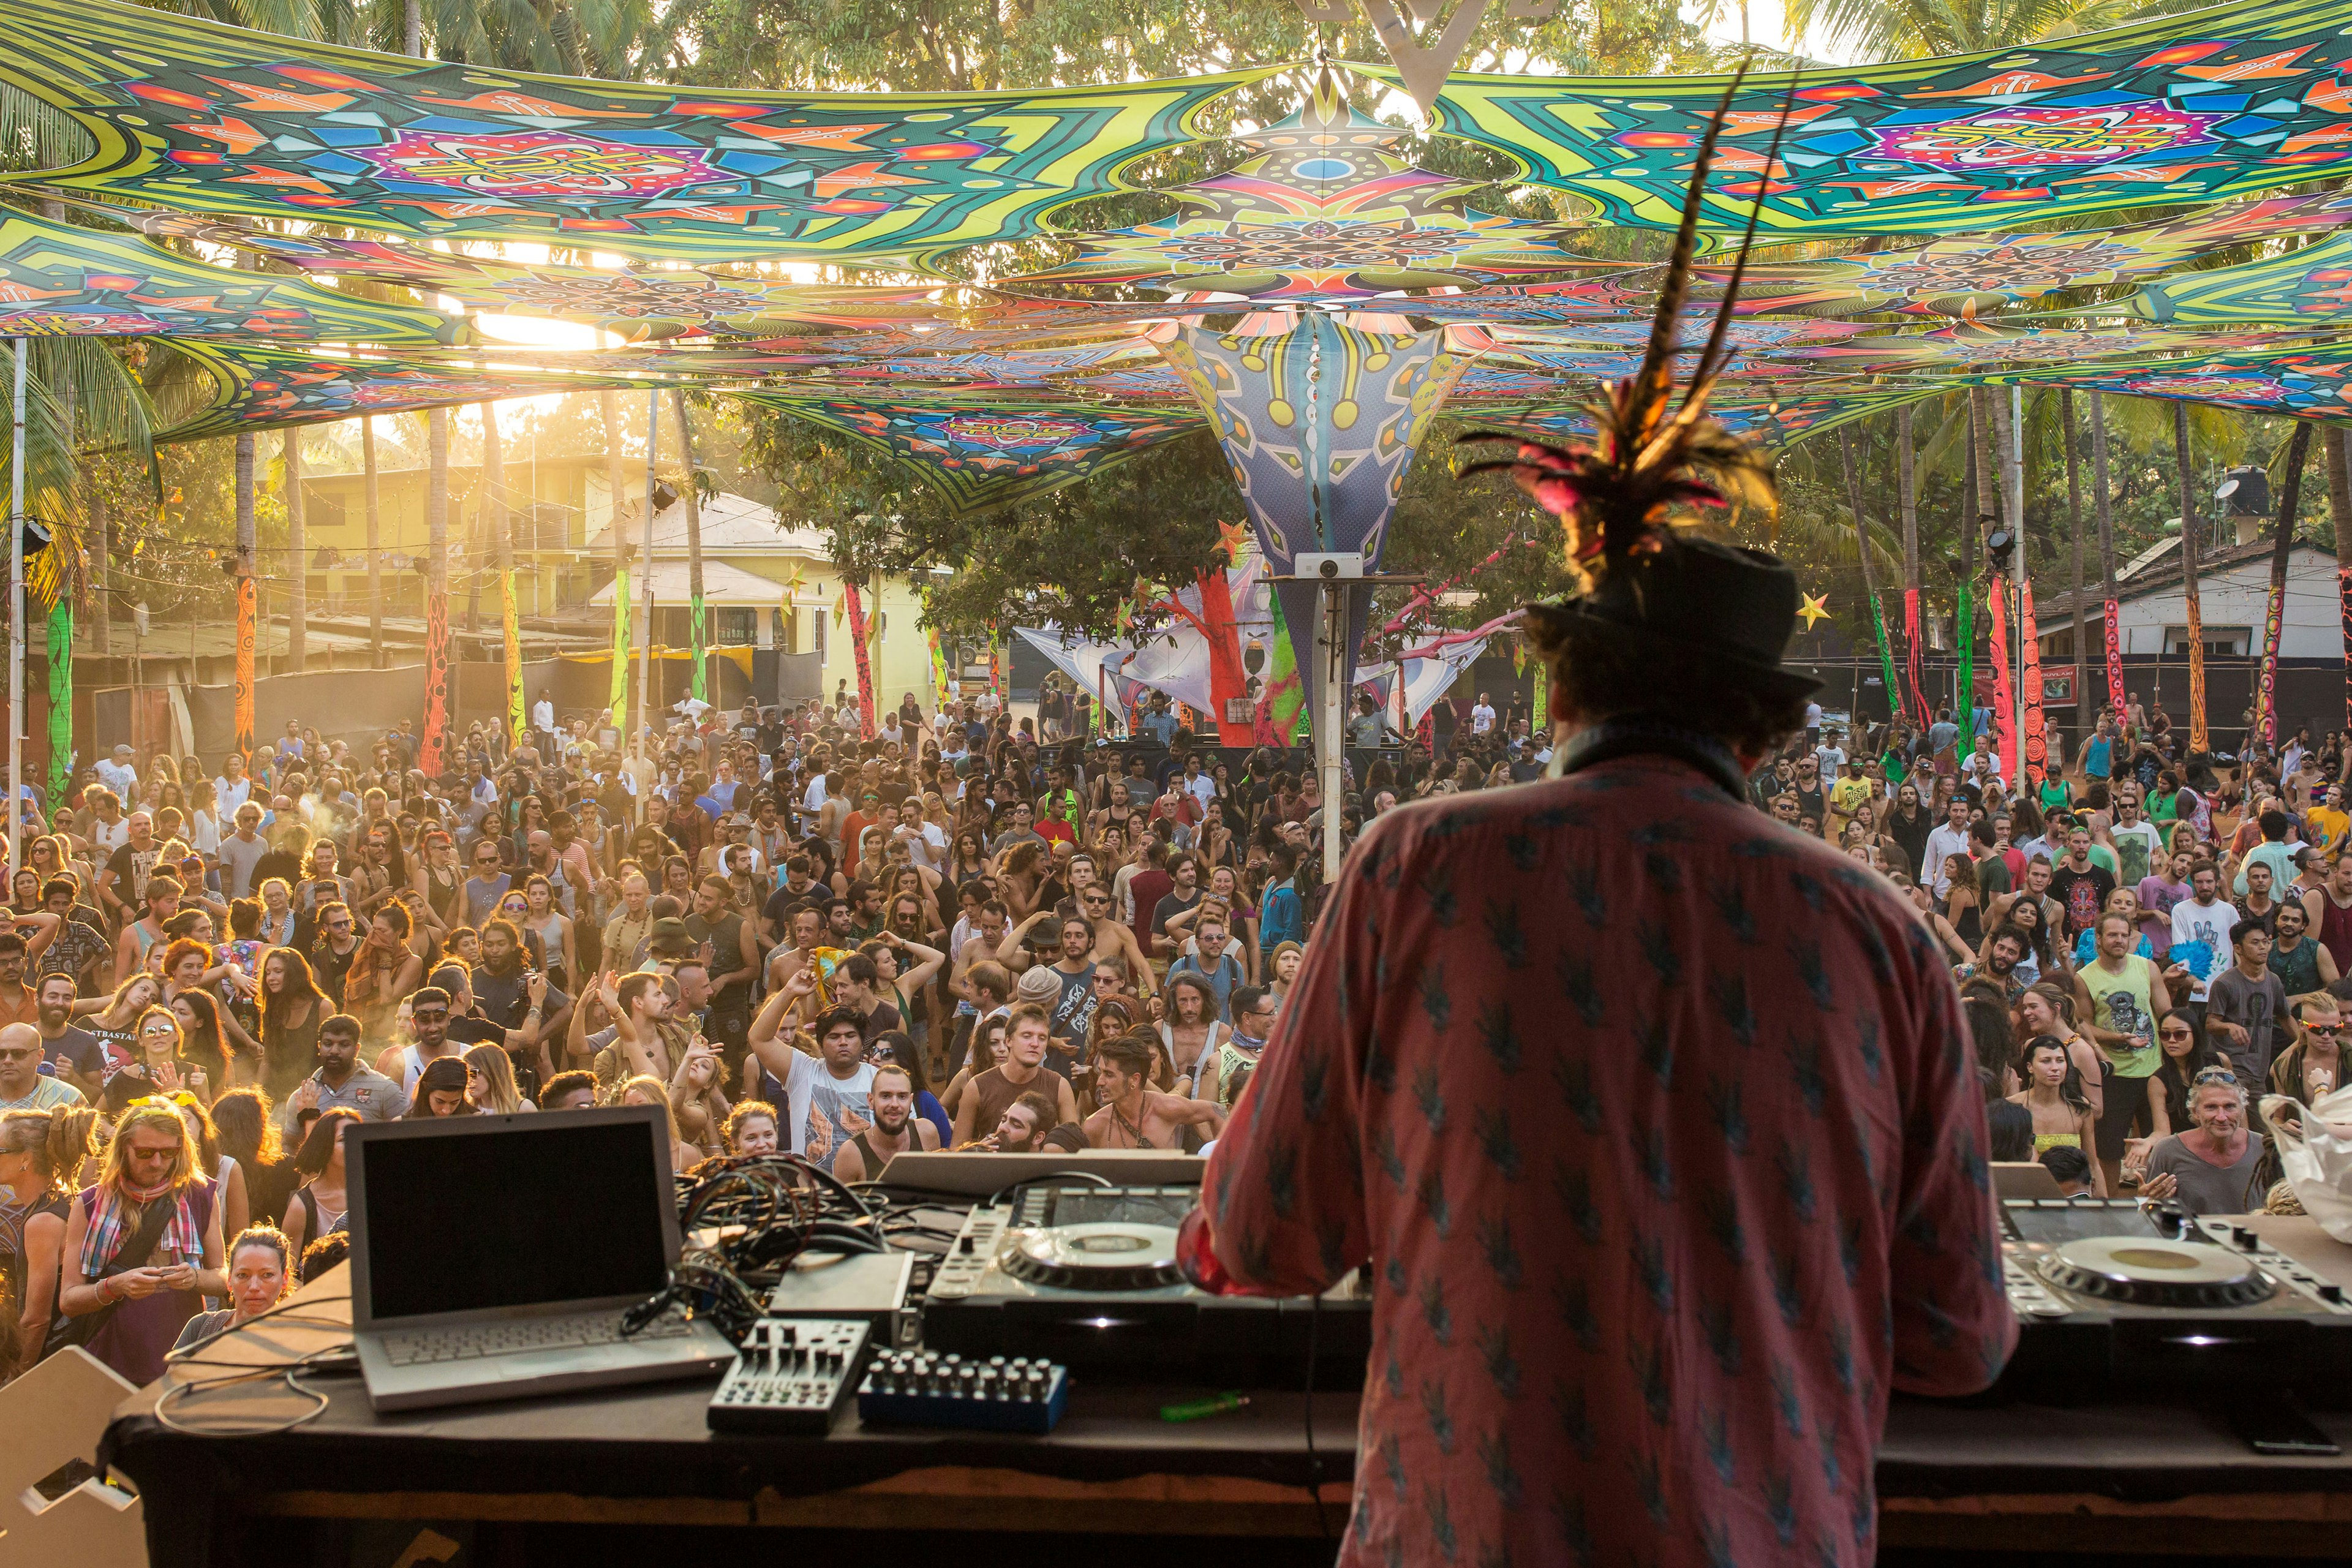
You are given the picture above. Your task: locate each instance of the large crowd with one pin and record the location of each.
(972, 931)
(966, 930)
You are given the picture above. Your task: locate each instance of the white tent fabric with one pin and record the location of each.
(1425, 680)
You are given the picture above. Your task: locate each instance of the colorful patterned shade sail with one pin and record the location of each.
(2182, 109)
(2308, 383)
(213, 119)
(62, 280)
(257, 388)
(1325, 210)
(981, 453)
(1970, 275)
(2312, 286)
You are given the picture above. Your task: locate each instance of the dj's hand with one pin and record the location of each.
(2158, 1188)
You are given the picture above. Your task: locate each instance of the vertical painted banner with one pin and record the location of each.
(61, 747)
(1920, 709)
(701, 645)
(617, 699)
(2199, 740)
(1886, 658)
(1282, 702)
(2036, 737)
(2004, 700)
(1965, 692)
(995, 663)
(1539, 725)
(243, 742)
(431, 755)
(2344, 598)
(938, 667)
(857, 611)
(510, 628)
(2115, 640)
(2266, 689)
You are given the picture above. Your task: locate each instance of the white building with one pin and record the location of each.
(2234, 592)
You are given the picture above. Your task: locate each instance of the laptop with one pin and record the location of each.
(493, 1255)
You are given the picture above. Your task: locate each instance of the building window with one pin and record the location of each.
(736, 625)
(2222, 642)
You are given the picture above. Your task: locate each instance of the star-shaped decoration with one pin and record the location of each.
(1813, 610)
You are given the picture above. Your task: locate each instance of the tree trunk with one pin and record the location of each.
(497, 516)
(696, 619)
(101, 620)
(412, 27)
(2200, 739)
(374, 560)
(1907, 485)
(2102, 497)
(2339, 510)
(2074, 531)
(298, 564)
(618, 690)
(245, 541)
(433, 754)
(2290, 502)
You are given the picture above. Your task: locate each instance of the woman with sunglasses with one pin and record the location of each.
(148, 1298)
(162, 1067)
(490, 1081)
(2313, 1065)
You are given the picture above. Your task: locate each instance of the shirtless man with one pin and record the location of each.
(897, 1129)
(1021, 1128)
(1114, 939)
(1134, 1114)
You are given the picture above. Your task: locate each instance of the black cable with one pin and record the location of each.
(1097, 1179)
(1314, 1457)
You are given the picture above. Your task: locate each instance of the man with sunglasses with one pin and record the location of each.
(23, 1085)
(487, 884)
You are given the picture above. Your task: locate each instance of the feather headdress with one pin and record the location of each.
(1617, 498)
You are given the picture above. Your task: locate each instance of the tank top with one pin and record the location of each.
(990, 1092)
(2056, 1140)
(2335, 932)
(2123, 1003)
(441, 893)
(2297, 971)
(1216, 1036)
(874, 1160)
(1231, 1059)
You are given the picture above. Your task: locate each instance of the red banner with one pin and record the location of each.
(1912, 656)
(2004, 696)
(2037, 735)
(430, 754)
(2116, 699)
(247, 617)
(2198, 738)
(857, 610)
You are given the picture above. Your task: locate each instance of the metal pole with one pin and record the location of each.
(1328, 736)
(645, 625)
(17, 607)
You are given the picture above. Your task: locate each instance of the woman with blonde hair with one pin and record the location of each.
(490, 1081)
(41, 1154)
(143, 1246)
(647, 1090)
(161, 1066)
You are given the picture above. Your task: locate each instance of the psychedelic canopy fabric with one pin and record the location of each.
(2310, 285)
(2308, 383)
(1325, 210)
(213, 119)
(255, 388)
(2177, 109)
(62, 280)
(986, 453)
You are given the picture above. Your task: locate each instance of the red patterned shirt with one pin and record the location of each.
(1660, 1127)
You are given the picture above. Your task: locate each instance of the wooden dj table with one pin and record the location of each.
(1978, 1478)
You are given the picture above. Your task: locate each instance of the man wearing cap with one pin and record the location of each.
(1735, 1185)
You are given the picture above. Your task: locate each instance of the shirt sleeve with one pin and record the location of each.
(1286, 1182)
(1953, 1326)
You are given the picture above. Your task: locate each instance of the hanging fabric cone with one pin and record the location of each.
(510, 628)
(431, 752)
(245, 631)
(2036, 739)
(854, 604)
(1885, 658)
(2266, 689)
(2004, 699)
(2114, 639)
(696, 613)
(61, 688)
(617, 696)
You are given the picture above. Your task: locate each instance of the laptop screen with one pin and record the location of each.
(548, 1212)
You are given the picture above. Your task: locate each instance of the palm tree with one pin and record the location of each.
(1926, 29)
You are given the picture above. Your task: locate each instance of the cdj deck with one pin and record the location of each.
(2116, 1298)
(1086, 1276)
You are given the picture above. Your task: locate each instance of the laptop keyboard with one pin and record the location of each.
(472, 1342)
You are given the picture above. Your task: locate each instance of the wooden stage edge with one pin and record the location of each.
(2276, 1524)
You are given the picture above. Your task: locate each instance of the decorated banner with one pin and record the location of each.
(61, 698)
(1539, 725)
(59, 280)
(2198, 105)
(431, 754)
(235, 122)
(1886, 658)
(2344, 602)
(1965, 684)
(1319, 422)
(942, 688)
(2310, 383)
(1920, 706)
(247, 593)
(856, 611)
(995, 661)
(2313, 285)
(978, 454)
(2116, 697)
(1281, 718)
(510, 628)
(2266, 718)
(2028, 643)
(617, 699)
(697, 640)
(2004, 692)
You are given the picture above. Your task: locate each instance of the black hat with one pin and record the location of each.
(1692, 598)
